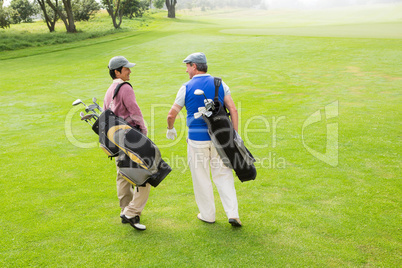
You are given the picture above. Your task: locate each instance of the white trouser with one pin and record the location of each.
(203, 158)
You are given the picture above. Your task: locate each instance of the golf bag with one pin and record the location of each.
(228, 142)
(138, 158)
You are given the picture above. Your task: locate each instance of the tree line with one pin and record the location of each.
(70, 11)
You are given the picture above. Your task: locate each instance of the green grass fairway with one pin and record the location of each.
(299, 79)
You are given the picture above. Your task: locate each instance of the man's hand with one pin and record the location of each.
(171, 134)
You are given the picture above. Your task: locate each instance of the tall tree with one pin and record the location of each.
(171, 6)
(67, 16)
(49, 15)
(114, 9)
(4, 16)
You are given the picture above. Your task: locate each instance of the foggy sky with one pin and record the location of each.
(323, 3)
(307, 3)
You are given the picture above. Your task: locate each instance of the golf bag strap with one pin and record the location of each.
(217, 82)
(118, 88)
(116, 91)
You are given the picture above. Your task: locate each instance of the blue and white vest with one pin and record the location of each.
(197, 128)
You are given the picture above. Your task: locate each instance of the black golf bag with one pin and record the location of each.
(228, 142)
(138, 158)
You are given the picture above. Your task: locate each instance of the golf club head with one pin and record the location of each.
(87, 117)
(208, 114)
(207, 101)
(78, 101)
(209, 105)
(91, 108)
(199, 92)
(202, 109)
(97, 105)
(197, 115)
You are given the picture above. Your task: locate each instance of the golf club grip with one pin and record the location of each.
(217, 82)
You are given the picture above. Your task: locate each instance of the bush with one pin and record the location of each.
(84, 9)
(23, 11)
(159, 3)
(134, 8)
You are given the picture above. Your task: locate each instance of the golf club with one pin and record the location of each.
(200, 92)
(88, 117)
(201, 111)
(78, 101)
(197, 115)
(92, 108)
(82, 118)
(94, 100)
(209, 104)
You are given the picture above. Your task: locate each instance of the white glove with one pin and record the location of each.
(171, 134)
